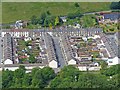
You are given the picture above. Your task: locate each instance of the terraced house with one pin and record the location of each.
(8, 49)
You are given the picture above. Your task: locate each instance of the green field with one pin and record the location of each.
(12, 11)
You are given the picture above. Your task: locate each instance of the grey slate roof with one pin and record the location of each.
(7, 47)
(112, 16)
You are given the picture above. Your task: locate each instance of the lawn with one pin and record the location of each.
(12, 11)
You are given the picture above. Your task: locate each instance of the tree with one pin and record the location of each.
(19, 73)
(89, 80)
(45, 23)
(48, 12)
(89, 20)
(27, 80)
(34, 20)
(18, 76)
(56, 21)
(50, 26)
(115, 5)
(66, 77)
(34, 70)
(37, 80)
(42, 18)
(66, 83)
(48, 20)
(43, 15)
(48, 73)
(55, 82)
(7, 78)
(113, 70)
(74, 15)
(76, 4)
(32, 58)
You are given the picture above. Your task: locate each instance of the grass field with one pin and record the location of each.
(12, 11)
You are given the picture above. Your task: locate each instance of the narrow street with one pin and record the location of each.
(59, 54)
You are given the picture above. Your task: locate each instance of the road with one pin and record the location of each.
(59, 53)
(0, 48)
(96, 12)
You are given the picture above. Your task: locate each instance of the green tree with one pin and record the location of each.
(50, 26)
(43, 15)
(7, 78)
(17, 83)
(18, 76)
(42, 18)
(115, 5)
(34, 20)
(19, 73)
(48, 20)
(56, 21)
(45, 23)
(113, 70)
(48, 12)
(89, 20)
(76, 4)
(89, 80)
(66, 77)
(74, 15)
(48, 73)
(27, 80)
(32, 58)
(55, 82)
(34, 70)
(37, 80)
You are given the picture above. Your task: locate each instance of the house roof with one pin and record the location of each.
(112, 16)
(50, 47)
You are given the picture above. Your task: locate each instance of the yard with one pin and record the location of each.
(27, 51)
(110, 28)
(95, 54)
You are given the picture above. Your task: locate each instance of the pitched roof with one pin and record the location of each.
(112, 16)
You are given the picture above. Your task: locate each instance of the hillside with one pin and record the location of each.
(13, 11)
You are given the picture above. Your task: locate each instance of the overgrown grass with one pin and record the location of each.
(110, 28)
(12, 11)
(89, 20)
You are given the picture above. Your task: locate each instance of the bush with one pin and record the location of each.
(76, 4)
